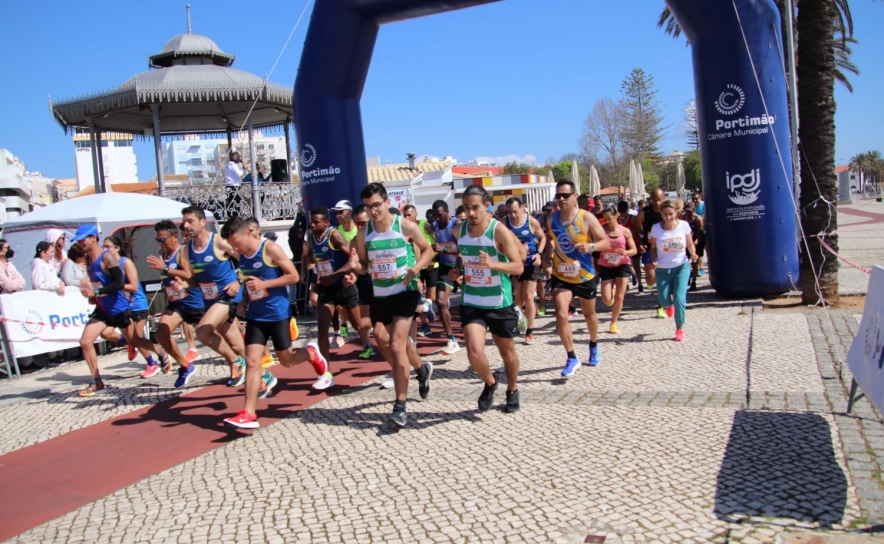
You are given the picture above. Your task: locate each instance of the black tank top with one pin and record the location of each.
(651, 219)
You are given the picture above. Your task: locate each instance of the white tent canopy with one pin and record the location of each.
(109, 211)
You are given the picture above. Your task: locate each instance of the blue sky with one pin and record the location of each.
(515, 78)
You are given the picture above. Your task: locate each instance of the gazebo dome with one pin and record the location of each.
(190, 49)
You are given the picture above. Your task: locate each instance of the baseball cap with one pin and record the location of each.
(41, 247)
(548, 206)
(689, 206)
(271, 236)
(84, 232)
(343, 205)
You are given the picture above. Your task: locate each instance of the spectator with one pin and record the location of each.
(43, 275)
(232, 180)
(74, 268)
(11, 281)
(57, 238)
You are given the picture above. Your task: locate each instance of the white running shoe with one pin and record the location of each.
(324, 382)
(451, 348)
(388, 383)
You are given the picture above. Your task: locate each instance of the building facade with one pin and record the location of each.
(118, 158)
(203, 159)
(15, 192)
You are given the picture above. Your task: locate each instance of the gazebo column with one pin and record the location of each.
(100, 163)
(158, 150)
(256, 191)
(95, 151)
(229, 145)
(288, 152)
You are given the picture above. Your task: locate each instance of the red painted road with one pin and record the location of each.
(49, 479)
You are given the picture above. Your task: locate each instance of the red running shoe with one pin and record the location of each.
(670, 311)
(132, 353)
(243, 420)
(150, 371)
(679, 335)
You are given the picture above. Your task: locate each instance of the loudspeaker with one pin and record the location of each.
(278, 170)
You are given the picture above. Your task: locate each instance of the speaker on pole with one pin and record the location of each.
(278, 170)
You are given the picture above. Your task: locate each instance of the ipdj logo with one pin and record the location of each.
(565, 242)
(308, 156)
(743, 189)
(33, 323)
(730, 101)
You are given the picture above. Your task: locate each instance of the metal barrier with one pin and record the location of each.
(279, 200)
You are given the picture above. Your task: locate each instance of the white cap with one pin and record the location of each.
(343, 205)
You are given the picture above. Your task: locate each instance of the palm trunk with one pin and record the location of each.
(816, 110)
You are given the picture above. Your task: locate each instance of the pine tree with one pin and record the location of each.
(644, 117)
(691, 126)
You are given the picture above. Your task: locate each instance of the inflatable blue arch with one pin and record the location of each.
(741, 100)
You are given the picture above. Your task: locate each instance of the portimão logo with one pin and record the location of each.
(743, 189)
(34, 323)
(731, 100)
(308, 156)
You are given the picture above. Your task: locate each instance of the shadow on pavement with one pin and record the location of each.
(780, 465)
(357, 418)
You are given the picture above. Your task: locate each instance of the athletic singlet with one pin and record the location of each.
(328, 259)
(111, 303)
(482, 287)
(445, 238)
(390, 256)
(569, 265)
(213, 272)
(610, 258)
(348, 234)
(651, 219)
(186, 298)
(431, 239)
(137, 300)
(267, 304)
(526, 238)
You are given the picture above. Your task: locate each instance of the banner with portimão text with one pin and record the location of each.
(43, 321)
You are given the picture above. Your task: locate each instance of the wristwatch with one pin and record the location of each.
(241, 280)
(166, 268)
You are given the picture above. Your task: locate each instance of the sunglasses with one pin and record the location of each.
(161, 240)
(339, 212)
(564, 196)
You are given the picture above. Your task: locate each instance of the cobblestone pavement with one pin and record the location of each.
(738, 434)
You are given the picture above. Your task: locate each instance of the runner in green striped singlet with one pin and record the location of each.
(490, 254)
(386, 250)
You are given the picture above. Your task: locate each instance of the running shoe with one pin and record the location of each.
(423, 330)
(500, 370)
(529, 339)
(150, 371)
(571, 366)
(431, 313)
(267, 360)
(166, 362)
(184, 375)
(634, 279)
(293, 329)
(570, 311)
(693, 286)
(512, 402)
(594, 358)
(610, 304)
(388, 383)
(237, 372)
(339, 340)
(679, 335)
(641, 289)
(486, 399)
(243, 420)
(541, 311)
(423, 385)
(94, 387)
(398, 418)
(367, 352)
(670, 311)
(345, 332)
(268, 382)
(320, 365)
(652, 285)
(192, 355)
(130, 350)
(661, 313)
(523, 321)
(451, 347)
(324, 382)
(701, 272)
(614, 329)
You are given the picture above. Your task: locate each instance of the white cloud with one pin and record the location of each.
(500, 161)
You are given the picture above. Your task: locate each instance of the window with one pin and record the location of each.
(260, 147)
(270, 146)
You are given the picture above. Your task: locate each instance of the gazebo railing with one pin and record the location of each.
(278, 200)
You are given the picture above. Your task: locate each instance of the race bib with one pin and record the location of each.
(673, 245)
(175, 295)
(210, 291)
(476, 274)
(569, 270)
(255, 294)
(324, 268)
(383, 269)
(612, 258)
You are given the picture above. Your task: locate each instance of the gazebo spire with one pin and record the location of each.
(188, 18)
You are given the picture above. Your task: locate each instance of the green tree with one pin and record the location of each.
(644, 118)
(693, 171)
(517, 168)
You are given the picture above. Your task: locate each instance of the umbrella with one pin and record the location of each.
(680, 180)
(634, 195)
(595, 186)
(575, 175)
(640, 176)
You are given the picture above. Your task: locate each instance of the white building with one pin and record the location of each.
(117, 155)
(15, 192)
(204, 159)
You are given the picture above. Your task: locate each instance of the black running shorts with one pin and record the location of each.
(502, 322)
(365, 289)
(120, 320)
(138, 315)
(430, 276)
(231, 308)
(610, 273)
(585, 290)
(258, 332)
(445, 282)
(189, 315)
(338, 295)
(383, 310)
(531, 273)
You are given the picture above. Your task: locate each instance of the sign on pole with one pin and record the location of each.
(42, 321)
(866, 356)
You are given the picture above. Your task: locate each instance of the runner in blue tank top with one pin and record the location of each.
(208, 265)
(530, 234)
(267, 273)
(104, 288)
(185, 306)
(446, 248)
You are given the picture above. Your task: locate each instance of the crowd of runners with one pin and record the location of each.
(388, 274)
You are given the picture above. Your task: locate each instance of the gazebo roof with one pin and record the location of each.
(194, 87)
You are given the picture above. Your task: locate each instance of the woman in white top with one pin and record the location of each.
(57, 238)
(671, 243)
(43, 275)
(74, 268)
